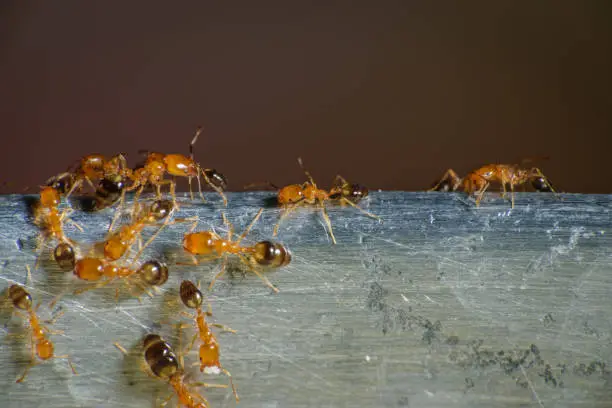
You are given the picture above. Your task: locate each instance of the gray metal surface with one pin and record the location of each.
(441, 304)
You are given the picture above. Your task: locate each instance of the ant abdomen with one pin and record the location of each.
(191, 296)
(20, 297)
(271, 254)
(90, 269)
(65, 256)
(154, 273)
(159, 356)
(199, 243)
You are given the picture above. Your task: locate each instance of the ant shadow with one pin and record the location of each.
(31, 203)
(270, 202)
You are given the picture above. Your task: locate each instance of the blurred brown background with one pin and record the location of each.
(388, 94)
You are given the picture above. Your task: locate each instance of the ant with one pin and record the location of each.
(262, 254)
(41, 345)
(150, 274)
(91, 167)
(477, 181)
(50, 219)
(192, 298)
(291, 196)
(118, 243)
(163, 364)
(178, 165)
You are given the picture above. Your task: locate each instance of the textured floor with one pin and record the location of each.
(442, 304)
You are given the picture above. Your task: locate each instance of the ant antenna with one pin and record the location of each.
(306, 172)
(194, 140)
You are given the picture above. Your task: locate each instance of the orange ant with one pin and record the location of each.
(192, 298)
(91, 167)
(178, 165)
(119, 242)
(477, 181)
(150, 274)
(262, 254)
(163, 364)
(291, 196)
(41, 345)
(50, 219)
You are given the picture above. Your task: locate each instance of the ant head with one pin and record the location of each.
(110, 185)
(354, 192)
(65, 256)
(63, 183)
(160, 209)
(271, 254)
(216, 178)
(542, 184)
(190, 295)
(154, 273)
(49, 197)
(20, 297)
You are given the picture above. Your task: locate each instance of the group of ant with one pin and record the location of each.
(101, 183)
(109, 179)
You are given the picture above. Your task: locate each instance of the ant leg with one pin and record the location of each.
(259, 275)
(56, 318)
(480, 193)
(77, 184)
(214, 187)
(221, 273)
(369, 214)
(32, 359)
(117, 212)
(135, 206)
(121, 348)
(139, 253)
(327, 221)
(504, 191)
(230, 227)
(166, 401)
(42, 249)
(223, 327)
(448, 174)
(248, 228)
(26, 371)
(512, 194)
(67, 357)
(286, 211)
(231, 383)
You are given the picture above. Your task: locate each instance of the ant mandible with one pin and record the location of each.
(192, 298)
(262, 254)
(163, 364)
(41, 346)
(179, 165)
(291, 196)
(478, 181)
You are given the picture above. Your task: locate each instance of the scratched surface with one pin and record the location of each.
(440, 304)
